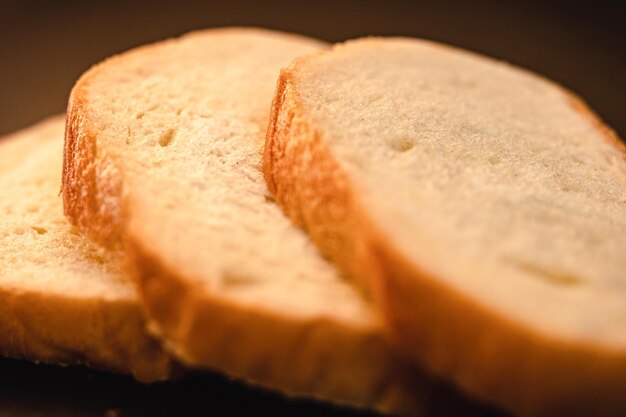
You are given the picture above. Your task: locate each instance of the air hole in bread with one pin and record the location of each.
(140, 115)
(494, 159)
(97, 258)
(464, 83)
(571, 188)
(402, 144)
(200, 185)
(167, 137)
(39, 230)
(234, 280)
(545, 274)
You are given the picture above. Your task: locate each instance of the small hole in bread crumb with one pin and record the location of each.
(167, 137)
(494, 159)
(236, 280)
(97, 258)
(39, 230)
(402, 144)
(548, 275)
(200, 185)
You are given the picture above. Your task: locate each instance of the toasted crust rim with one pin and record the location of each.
(50, 327)
(179, 312)
(315, 358)
(558, 377)
(63, 330)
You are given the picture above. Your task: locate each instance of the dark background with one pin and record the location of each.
(46, 45)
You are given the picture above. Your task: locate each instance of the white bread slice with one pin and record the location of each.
(60, 300)
(488, 204)
(163, 159)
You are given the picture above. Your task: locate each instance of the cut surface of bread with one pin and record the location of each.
(489, 205)
(61, 301)
(163, 159)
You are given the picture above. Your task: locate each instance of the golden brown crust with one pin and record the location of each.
(86, 180)
(320, 201)
(107, 335)
(319, 358)
(40, 324)
(501, 361)
(609, 134)
(92, 181)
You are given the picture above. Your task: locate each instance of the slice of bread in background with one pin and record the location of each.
(61, 301)
(163, 157)
(491, 201)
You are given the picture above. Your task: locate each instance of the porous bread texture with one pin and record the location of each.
(61, 301)
(163, 159)
(488, 203)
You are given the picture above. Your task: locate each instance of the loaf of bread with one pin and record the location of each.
(61, 300)
(163, 160)
(481, 206)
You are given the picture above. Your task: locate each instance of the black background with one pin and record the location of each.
(29, 390)
(45, 46)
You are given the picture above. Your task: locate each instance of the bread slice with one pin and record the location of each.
(61, 301)
(163, 159)
(488, 204)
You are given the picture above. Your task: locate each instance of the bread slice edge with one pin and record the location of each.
(561, 374)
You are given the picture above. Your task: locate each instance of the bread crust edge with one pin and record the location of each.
(105, 335)
(181, 314)
(90, 177)
(502, 361)
(316, 358)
